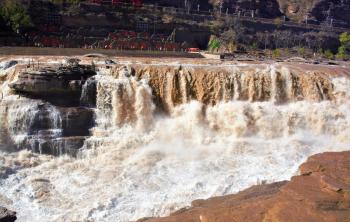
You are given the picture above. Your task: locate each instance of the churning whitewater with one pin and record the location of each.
(164, 138)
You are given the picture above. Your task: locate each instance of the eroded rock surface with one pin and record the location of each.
(321, 193)
(52, 112)
(61, 84)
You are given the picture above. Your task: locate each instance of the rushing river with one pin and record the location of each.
(161, 141)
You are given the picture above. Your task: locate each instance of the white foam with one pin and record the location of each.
(129, 171)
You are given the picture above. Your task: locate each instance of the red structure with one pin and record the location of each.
(193, 50)
(116, 2)
(137, 3)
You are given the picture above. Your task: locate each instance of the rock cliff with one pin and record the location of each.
(59, 84)
(48, 115)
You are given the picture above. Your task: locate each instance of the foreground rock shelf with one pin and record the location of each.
(320, 193)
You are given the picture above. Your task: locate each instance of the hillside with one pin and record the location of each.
(320, 10)
(306, 27)
(298, 10)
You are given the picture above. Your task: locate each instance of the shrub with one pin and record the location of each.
(328, 54)
(15, 15)
(276, 53)
(254, 46)
(301, 51)
(342, 56)
(278, 22)
(214, 44)
(344, 40)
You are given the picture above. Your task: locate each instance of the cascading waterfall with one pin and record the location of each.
(172, 87)
(46, 128)
(88, 97)
(165, 136)
(40, 108)
(125, 99)
(32, 124)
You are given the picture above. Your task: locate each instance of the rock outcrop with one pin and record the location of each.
(321, 193)
(7, 215)
(56, 114)
(59, 84)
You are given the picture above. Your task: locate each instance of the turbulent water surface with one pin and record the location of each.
(160, 142)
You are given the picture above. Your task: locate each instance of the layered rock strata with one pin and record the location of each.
(48, 116)
(58, 84)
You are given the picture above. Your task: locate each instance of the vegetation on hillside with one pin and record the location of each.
(232, 35)
(344, 47)
(15, 15)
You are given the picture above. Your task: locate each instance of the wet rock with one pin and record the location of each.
(59, 124)
(43, 127)
(76, 121)
(54, 146)
(58, 131)
(9, 64)
(7, 215)
(321, 193)
(58, 84)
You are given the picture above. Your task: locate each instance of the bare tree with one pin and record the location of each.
(235, 25)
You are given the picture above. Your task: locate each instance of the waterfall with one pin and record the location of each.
(172, 87)
(125, 99)
(33, 124)
(163, 136)
(144, 106)
(88, 93)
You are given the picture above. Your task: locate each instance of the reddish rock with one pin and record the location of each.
(321, 193)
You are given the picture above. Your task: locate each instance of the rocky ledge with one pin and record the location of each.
(62, 98)
(320, 193)
(7, 215)
(54, 82)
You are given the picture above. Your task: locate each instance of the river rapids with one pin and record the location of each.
(165, 135)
